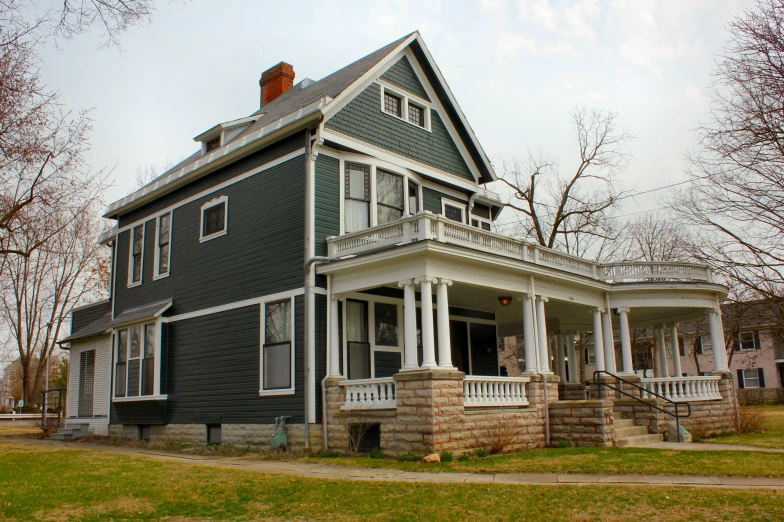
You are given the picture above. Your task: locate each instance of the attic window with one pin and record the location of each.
(392, 104)
(213, 144)
(416, 114)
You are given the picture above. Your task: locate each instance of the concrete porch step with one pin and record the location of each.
(71, 432)
(628, 431)
(623, 423)
(638, 440)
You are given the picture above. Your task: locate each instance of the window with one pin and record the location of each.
(163, 245)
(416, 114)
(386, 324)
(392, 104)
(134, 374)
(480, 223)
(357, 204)
(681, 348)
(137, 254)
(590, 355)
(453, 212)
(357, 340)
(214, 218)
(277, 363)
(413, 197)
(214, 435)
(389, 194)
(213, 144)
(748, 341)
(752, 378)
(86, 383)
(705, 344)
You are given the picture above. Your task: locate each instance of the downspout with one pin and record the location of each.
(471, 201)
(324, 431)
(546, 405)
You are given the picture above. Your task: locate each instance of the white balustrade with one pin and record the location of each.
(369, 394)
(683, 389)
(426, 225)
(481, 391)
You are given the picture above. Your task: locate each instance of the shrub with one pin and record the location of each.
(482, 453)
(749, 420)
(329, 454)
(465, 457)
(376, 453)
(447, 456)
(408, 457)
(501, 435)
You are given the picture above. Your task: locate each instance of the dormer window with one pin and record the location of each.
(405, 106)
(392, 104)
(213, 144)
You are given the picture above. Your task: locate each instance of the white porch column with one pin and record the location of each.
(444, 342)
(717, 340)
(541, 332)
(626, 342)
(528, 335)
(334, 337)
(428, 340)
(409, 325)
(560, 352)
(598, 340)
(571, 353)
(676, 352)
(609, 342)
(661, 349)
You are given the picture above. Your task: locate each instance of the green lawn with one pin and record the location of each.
(771, 436)
(621, 461)
(52, 484)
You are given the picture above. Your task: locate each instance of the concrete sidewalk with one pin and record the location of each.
(323, 471)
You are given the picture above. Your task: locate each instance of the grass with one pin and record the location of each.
(42, 483)
(618, 461)
(20, 431)
(771, 435)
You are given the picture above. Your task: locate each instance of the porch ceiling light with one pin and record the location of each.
(505, 300)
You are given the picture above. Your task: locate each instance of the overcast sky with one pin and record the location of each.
(516, 68)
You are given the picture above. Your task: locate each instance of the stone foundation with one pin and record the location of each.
(582, 423)
(572, 392)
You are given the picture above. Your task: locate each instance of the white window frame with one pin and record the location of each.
(131, 282)
(702, 344)
(156, 275)
(480, 220)
(405, 99)
(745, 378)
(262, 339)
(214, 203)
(754, 338)
(156, 396)
(455, 204)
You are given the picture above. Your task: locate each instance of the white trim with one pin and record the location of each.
(141, 398)
(238, 304)
(156, 261)
(481, 220)
(217, 188)
(221, 200)
(131, 282)
(454, 204)
(115, 340)
(405, 99)
(746, 386)
(292, 333)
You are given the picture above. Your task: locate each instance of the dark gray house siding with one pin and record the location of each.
(363, 119)
(327, 201)
(431, 200)
(262, 253)
(403, 75)
(481, 211)
(84, 316)
(387, 363)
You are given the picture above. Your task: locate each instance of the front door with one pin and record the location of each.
(458, 336)
(86, 383)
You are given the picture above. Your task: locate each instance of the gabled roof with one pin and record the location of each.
(307, 101)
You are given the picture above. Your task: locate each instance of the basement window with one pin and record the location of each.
(144, 432)
(214, 435)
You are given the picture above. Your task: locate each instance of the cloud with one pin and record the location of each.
(561, 47)
(540, 12)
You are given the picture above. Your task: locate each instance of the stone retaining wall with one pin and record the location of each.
(582, 423)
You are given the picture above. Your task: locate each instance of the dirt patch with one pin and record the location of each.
(123, 506)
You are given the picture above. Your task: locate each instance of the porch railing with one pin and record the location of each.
(481, 391)
(429, 226)
(683, 389)
(369, 394)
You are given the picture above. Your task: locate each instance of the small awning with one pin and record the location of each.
(141, 313)
(98, 327)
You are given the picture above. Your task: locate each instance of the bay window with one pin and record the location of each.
(134, 371)
(389, 194)
(357, 339)
(277, 354)
(357, 200)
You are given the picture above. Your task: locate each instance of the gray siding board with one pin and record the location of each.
(387, 364)
(138, 412)
(403, 75)
(481, 211)
(363, 119)
(431, 200)
(327, 201)
(85, 316)
(320, 371)
(262, 253)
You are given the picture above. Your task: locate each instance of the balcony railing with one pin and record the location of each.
(479, 391)
(685, 389)
(369, 394)
(428, 226)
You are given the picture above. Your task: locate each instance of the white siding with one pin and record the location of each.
(99, 422)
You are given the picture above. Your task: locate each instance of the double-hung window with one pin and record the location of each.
(134, 374)
(214, 218)
(163, 245)
(357, 198)
(413, 197)
(137, 255)
(748, 341)
(389, 194)
(751, 378)
(277, 354)
(357, 339)
(705, 344)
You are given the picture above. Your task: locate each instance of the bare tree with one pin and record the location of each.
(653, 237)
(572, 212)
(44, 287)
(737, 196)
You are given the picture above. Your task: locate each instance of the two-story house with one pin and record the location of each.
(331, 258)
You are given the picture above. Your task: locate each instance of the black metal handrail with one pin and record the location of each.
(676, 405)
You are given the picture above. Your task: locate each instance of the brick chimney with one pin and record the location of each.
(275, 81)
